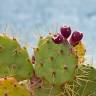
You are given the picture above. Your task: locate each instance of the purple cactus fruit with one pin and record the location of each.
(76, 38)
(33, 59)
(65, 31)
(57, 38)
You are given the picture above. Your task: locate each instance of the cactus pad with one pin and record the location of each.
(14, 60)
(10, 87)
(55, 63)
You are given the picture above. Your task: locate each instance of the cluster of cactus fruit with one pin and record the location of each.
(56, 69)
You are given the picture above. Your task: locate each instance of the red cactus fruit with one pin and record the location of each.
(75, 38)
(57, 38)
(65, 31)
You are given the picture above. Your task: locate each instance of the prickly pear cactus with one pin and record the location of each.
(10, 87)
(54, 63)
(57, 67)
(14, 60)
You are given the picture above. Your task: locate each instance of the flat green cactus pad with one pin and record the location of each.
(55, 63)
(14, 60)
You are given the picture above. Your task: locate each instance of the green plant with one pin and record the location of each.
(57, 67)
(14, 60)
(10, 87)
